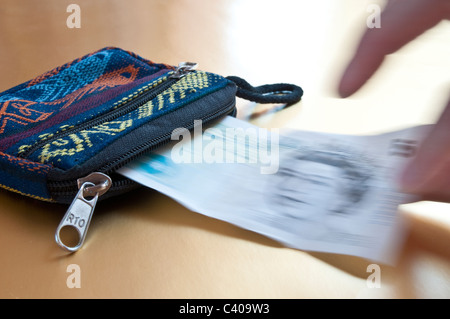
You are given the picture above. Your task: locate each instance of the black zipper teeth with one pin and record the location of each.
(155, 143)
(67, 186)
(110, 116)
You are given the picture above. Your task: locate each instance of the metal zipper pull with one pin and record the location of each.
(183, 69)
(75, 222)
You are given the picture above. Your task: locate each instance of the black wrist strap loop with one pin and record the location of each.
(280, 93)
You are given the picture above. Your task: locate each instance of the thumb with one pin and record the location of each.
(428, 174)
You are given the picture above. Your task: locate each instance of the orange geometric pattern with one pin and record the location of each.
(108, 80)
(21, 114)
(29, 115)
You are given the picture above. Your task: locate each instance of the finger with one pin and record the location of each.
(401, 22)
(428, 174)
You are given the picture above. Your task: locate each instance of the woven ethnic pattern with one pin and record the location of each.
(76, 148)
(65, 82)
(102, 83)
(22, 149)
(25, 114)
(23, 176)
(29, 106)
(188, 86)
(59, 99)
(124, 75)
(36, 103)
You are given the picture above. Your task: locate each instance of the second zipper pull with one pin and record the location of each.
(183, 69)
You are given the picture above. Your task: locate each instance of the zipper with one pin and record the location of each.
(80, 212)
(150, 94)
(160, 141)
(96, 184)
(72, 230)
(69, 187)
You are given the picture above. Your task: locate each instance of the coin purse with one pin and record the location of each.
(64, 133)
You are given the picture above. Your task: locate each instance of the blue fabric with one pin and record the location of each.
(39, 119)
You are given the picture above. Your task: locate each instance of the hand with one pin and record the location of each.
(401, 22)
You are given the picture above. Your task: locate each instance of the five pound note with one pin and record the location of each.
(307, 190)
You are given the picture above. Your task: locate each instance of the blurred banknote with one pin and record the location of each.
(307, 190)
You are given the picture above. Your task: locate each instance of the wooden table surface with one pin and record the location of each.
(144, 244)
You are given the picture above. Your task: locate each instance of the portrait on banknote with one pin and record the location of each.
(319, 185)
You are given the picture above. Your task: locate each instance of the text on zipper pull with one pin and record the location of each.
(75, 222)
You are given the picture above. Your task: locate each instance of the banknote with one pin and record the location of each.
(308, 190)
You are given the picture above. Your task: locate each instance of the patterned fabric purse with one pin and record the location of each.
(64, 133)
